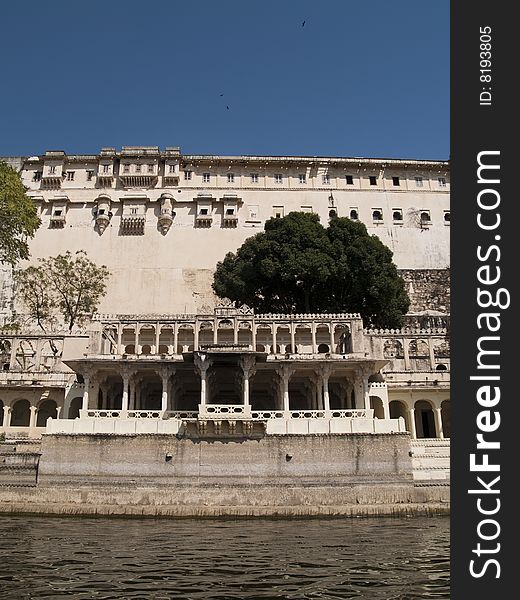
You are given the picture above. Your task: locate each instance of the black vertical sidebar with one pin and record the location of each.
(484, 330)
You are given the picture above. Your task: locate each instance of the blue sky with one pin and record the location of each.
(358, 79)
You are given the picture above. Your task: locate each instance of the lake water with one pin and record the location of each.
(376, 559)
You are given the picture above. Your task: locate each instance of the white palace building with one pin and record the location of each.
(165, 354)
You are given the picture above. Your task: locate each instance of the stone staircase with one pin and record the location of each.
(431, 460)
(19, 459)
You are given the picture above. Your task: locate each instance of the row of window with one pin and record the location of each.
(423, 217)
(420, 218)
(254, 177)
(325, 179)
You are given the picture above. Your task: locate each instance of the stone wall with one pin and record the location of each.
(289, 476)
(429, 289)
(165, 459)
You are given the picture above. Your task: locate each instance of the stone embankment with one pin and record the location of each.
(275, 476)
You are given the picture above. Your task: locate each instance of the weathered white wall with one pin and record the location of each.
(172, 272)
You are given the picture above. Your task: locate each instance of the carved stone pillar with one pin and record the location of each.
(119, 339)
(313, 335)
(86, 386)
(438, 422)
(165, 378)
(126, 373)
(332, 345)
(175, 337)
(247, 363)
(285, 373)
(325, 374)
(7, 416)
(411, 417)
(136, 339)
(202, 362)
(32, 419)
(293, 341)
(131, 400)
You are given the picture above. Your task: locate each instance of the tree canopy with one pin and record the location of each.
(296, 265)
(18, 218)
(66, 287)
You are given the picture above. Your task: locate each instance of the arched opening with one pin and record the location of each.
(185, 339)
(264, 339)
(205, 333)
(245, 336)
(146, 339)
(283, 339)
(344, 339)
(224, 380)
(393, 349)
(303, 339)
(441, 367)
(185, 390)
(75, 407)
(21, 414)
(128, 340)
(166, 338)
(226, 332)
(5, 354)
(145, 391)
(1, 413)
(263, 391)
(47, 408)
(424, 420)
(446, 418)
(323, 348)
(323, 338)
(354, 215)
(399, 409)
(376, 404)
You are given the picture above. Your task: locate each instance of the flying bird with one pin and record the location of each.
(303, 24)
(221, 95)
(227, 107)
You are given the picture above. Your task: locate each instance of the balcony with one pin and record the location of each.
(138, 180)
(51, 181)
(105, 179)
(57, 222)
(229, 221)
(132, 224)
(203, 220)
(171, 179)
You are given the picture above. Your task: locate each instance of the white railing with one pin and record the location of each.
(356, 413)
(183, 415)
(233, 411)
(145, 414)
(101, 414)
(265, 415)
(352, 413)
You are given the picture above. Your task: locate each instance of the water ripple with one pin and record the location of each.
(188, 559)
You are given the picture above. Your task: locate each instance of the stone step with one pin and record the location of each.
(429, 475)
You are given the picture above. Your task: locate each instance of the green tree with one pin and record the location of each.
(18, 218)
(296, 265)
(282, 269)
(66, 286)
(365, 278)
